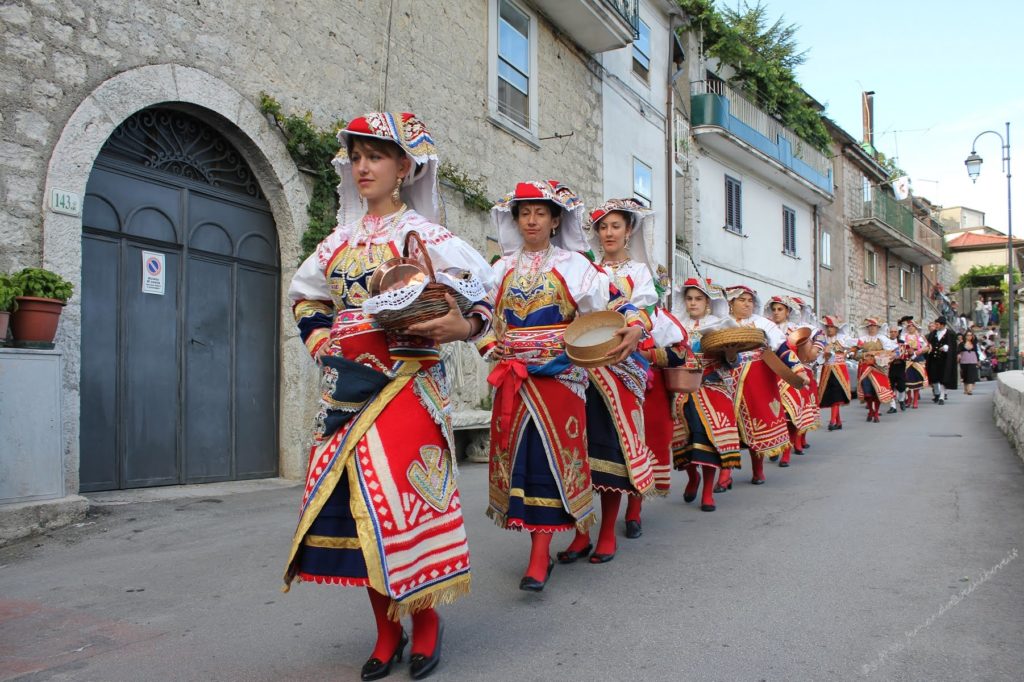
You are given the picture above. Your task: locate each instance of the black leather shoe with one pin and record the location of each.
(601, 558)
(798, 452)
(783, 465)
(633, 530)
(942, 401)
(757, 481)
(891, 410)
(529, 584)
(831, 427)
(773, 458)
(689, 497)
(375, 669)
(875, 420)
(935, 399)
(421, 666)
(722, 489)
(839, 427)
(569, 556)
(707, 507)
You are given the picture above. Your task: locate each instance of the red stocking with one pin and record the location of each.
(540, 555)
(633, 506)
(785, 455)
(424, 630)
(609, 515)
(803, 440)
(389, 632)
(581, 541)
(707, 498)
(757, 462)
(794, 440)
(836, 419)
(692, 482)
(724, 478)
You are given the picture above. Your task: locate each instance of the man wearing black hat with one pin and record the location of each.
(941, 362)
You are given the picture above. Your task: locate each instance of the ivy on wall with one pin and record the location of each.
(764, 58)
(313, 149)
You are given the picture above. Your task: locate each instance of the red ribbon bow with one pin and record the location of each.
(508, 375)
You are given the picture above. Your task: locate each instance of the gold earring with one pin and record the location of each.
(396, 194)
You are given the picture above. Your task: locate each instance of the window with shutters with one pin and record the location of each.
(788, 231)
(870, 266)
(733, 205)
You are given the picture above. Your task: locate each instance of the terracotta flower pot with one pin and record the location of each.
(36, 319)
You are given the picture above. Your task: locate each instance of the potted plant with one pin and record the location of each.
(42, 295)
(7, 294)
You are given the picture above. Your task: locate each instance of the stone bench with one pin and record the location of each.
(472, 434)
(1009, 408)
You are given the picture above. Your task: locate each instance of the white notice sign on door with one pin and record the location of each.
(152, 273)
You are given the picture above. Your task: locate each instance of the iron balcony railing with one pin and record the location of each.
(886, 209)
(628, 10)
(755, 117)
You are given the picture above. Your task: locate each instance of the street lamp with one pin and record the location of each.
(973, 163)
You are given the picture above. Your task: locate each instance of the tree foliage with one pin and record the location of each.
(985, 276)
(764, 56)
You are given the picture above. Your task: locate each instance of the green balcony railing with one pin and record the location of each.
(884, 208)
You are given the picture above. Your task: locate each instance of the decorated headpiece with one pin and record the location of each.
(719, 306)
(883, 328)
(419, 189)
(734, 292)
(640, 219)
(570, 235)
(872, 322)
(830, 321)
(807, 316)
(789, 302)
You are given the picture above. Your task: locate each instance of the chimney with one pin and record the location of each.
(868, 114)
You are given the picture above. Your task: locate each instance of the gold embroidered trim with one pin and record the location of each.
(606, 467)
(326, 542)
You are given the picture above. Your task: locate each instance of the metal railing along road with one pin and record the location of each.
(755, 117)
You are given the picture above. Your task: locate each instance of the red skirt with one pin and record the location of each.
(659, 428)
(759, 413)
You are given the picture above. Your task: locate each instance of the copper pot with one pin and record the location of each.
(681, 379)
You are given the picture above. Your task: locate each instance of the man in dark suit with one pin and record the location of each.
(941, 361)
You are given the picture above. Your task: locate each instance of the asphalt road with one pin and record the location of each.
(889, 551)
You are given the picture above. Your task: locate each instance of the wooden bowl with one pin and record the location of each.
(590, 338)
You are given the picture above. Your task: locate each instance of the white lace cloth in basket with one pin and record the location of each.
(398, 299)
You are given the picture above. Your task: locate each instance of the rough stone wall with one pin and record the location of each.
(324, 56)
(1009, 408)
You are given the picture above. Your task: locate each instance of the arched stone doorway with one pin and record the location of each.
(237, 118)
(180, 284)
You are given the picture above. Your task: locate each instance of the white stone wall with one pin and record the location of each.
(72, 70)
(1009, 408)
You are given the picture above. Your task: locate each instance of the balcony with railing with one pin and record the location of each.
(595, 25)
(889, 224)
(718, 111)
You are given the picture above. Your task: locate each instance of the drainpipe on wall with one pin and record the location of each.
(670, 168)
(815, 225)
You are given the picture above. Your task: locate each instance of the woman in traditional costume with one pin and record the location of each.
(785, 312)
(712, 441)
(621, 461)
(810, 417)
(917, 352)
(540, 475)
(874, 350)
(834, 381)
(381, 509)
(760, 415)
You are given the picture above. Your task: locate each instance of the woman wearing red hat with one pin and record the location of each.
(621, 462)
(873, 385)
(540, 474)
(381, 509)
(785, 312)
(711, 441)
(834, 382)
(760, 415)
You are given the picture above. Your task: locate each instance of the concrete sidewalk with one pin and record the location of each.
(887, 552)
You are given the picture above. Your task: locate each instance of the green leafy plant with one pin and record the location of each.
(7, 294)
(473, 189)
(42, 284)
(764, 57)
(985, 276)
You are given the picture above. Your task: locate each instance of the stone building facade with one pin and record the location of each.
(73, 71)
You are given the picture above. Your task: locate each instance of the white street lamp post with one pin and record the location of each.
(973, 163)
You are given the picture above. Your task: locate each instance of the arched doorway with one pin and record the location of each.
(179, 378)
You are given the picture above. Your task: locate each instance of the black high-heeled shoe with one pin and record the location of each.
(634, 530)
(529, 584)
(601, 558)
(707, 507)
(421, 666)
(375, 669)
(568, 556)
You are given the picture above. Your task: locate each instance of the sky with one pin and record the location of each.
(942, 72)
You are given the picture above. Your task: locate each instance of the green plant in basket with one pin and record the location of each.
(42, 284)
(8, 292)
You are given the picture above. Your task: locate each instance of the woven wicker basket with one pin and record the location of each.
(731, 341)
(431, 303)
